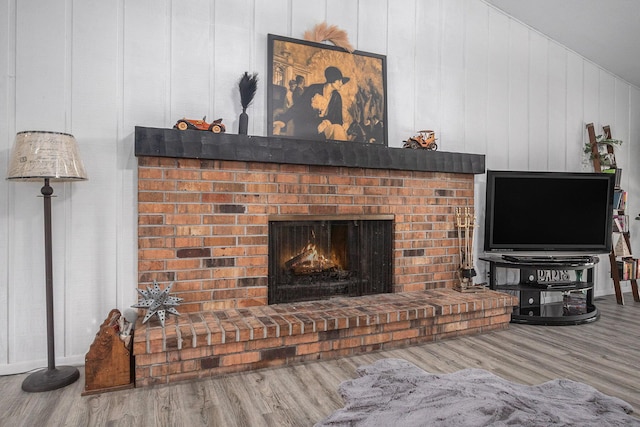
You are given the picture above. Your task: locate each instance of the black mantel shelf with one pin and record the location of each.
(192, 144)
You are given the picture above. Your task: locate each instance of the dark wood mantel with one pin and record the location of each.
(192, 144)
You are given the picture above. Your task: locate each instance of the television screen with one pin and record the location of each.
(548, 211)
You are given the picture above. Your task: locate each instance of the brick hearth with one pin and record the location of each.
(204, 205)
(207, 343)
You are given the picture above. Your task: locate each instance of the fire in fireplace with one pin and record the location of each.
(312, 258)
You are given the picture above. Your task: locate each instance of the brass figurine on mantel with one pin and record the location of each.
(465, 224)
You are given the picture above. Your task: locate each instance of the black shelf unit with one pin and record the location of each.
(531, 310)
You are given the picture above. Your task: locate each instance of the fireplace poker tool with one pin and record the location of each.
(465, 223)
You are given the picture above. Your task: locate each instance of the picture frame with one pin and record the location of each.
(322, 92)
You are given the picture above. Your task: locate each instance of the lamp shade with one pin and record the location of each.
(52, 155)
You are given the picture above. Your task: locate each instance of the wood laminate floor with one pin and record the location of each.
(605, 354)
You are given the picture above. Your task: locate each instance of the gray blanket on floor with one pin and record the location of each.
(396, 393)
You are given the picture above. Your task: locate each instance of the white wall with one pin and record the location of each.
(484, 82)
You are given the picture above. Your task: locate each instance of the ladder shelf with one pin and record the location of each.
(624, 236)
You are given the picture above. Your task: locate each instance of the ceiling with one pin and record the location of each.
(607, 32)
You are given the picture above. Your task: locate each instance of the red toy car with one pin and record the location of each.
(215, 127)
(424, 139)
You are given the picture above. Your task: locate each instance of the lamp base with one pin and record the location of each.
(50, 379)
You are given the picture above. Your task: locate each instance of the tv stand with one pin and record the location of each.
(559, 278)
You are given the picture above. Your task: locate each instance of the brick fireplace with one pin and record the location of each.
(205, 207)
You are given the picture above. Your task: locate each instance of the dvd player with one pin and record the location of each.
(525, 259)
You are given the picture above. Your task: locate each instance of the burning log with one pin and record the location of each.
(298, 259)
(312, 268)
(309, 262)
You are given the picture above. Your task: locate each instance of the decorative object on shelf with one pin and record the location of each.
(247, 86)
(424, 139)
(556, 276)
(320, 92)
(465, 224)
(620, 223)
(628, 268)
(574, 303)
(621, 249)
(158, 302)
(331, 33)
(600, 149)
(51, 156)
(216, 126)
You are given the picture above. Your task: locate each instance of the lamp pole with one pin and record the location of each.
(47, 193)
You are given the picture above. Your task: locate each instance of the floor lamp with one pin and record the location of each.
(51, 156)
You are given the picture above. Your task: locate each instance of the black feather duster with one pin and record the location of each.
(248, 85)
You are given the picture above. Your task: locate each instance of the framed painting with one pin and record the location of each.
(322, 92)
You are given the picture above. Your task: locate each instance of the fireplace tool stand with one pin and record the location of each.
(465, 225)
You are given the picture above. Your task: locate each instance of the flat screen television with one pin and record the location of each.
(548, 212)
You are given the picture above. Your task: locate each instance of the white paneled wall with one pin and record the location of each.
(7, 91)
(483, 81)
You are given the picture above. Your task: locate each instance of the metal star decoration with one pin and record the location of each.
(158, 302)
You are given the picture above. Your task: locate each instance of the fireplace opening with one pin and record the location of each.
(319, 258)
